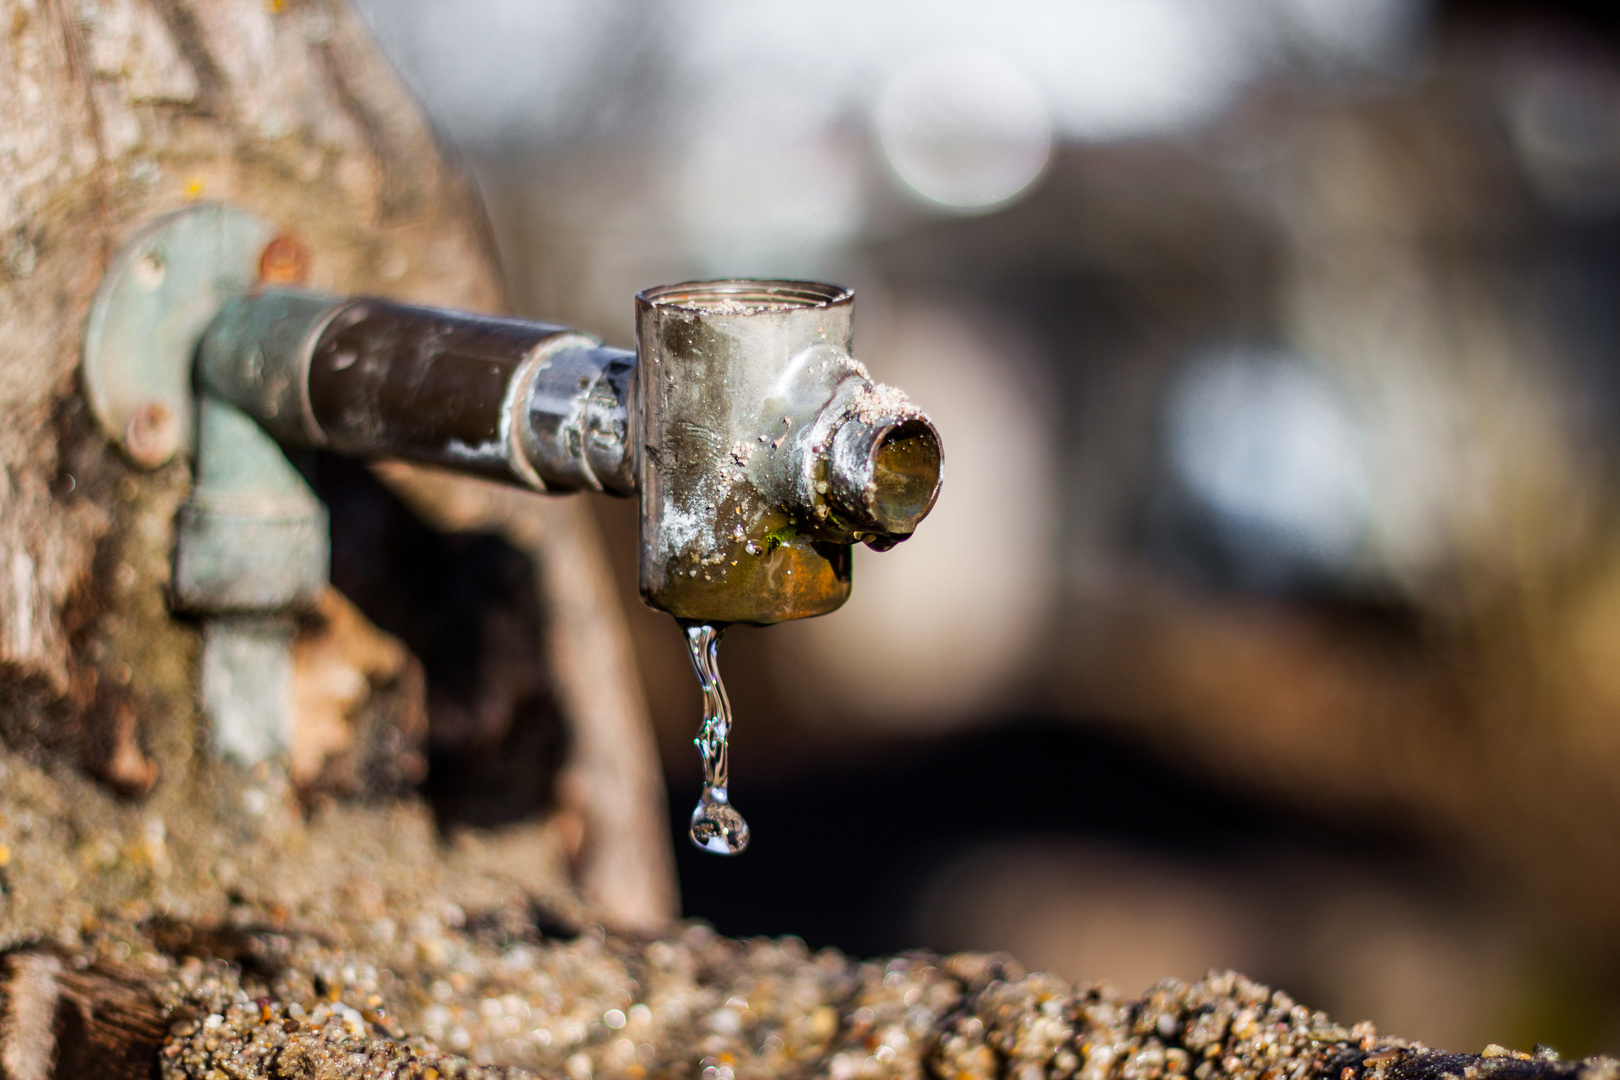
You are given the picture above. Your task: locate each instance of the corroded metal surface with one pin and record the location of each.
(765, 450)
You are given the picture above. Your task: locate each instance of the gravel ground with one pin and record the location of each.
(446, 995)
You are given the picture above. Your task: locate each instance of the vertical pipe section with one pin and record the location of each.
(252, 551)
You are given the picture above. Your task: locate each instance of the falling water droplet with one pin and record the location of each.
(716, 826)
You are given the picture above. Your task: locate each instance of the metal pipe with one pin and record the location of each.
(524, 402)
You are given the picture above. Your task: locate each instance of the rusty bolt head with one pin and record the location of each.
(152, 435)
(284, 261)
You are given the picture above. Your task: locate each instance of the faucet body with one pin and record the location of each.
(765, 450)
(759, 448)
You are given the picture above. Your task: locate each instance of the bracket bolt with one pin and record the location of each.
(284, 261)
(152, 435)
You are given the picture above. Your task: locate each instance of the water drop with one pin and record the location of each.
(716, 825)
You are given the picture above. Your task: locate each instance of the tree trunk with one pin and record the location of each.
(113, 112)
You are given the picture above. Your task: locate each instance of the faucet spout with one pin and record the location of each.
(766, 449)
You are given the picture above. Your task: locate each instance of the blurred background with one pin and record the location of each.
(1270, 617)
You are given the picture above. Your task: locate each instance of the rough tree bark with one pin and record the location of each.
(625, 858)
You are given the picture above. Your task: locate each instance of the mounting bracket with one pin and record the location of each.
(156, 299)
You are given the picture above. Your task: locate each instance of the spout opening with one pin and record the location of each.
(884, 477)
(746, 296)
(905, 475)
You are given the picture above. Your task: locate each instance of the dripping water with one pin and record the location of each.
(716, 826)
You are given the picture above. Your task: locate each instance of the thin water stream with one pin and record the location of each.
(716, 825)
